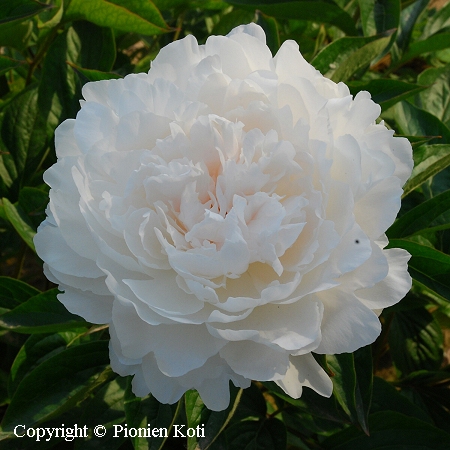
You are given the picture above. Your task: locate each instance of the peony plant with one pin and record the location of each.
(225, 214)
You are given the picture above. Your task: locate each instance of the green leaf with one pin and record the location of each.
(251, 404)
(428, 161)
(408, 18)
(385, 92)
(423, 218)
(167, 4)
(359, 59)
(37, 349)
(59, 88)
(19, 9)
(125, 15)
(23, 134)
(415, 341)
(378, 16)
(387, 398)
(107, 409)
(231, 20)
(214, 421)
(43, 313)
(430, 390)
(206, 5)
(437, 22)
(4, 399)
(431, 44)
(16, 34)
(140, 412)
(270, 27)
(14, 292)
(87, 75)
(33, 202)
(320, 11)
(352, 384)
(58, 384)
(312, 403)
(427, 265)
(300, 424)
(20, 221)
(436, 98)
(7, 64)
(59, 93)
(343, 57)
(196, 414)
(51, 18)
(98, 46)
(390, 430)
(417, 141)
(411, 120)
(267, 434)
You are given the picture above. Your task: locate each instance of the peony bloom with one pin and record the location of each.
(225, 215)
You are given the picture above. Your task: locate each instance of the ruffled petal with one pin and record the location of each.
(304, 371)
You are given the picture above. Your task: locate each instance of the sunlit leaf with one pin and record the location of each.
(124, 15)
(437, 22)
(343, 57)
(431, 44)
(436, 98)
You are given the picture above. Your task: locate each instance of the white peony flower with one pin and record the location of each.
(225, 215)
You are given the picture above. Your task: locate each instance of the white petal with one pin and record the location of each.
(165, 389)
(305, 371)
(292, 327)
(175, 61)
(394, 287)
(376, 211)
(255, 361)
(347, 324)
(182, 348)
(93, 308)
(53, 249)
(163, 294)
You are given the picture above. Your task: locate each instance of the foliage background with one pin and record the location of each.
(54, 366)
